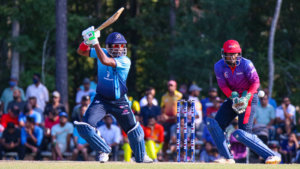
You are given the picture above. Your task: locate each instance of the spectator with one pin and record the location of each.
(11, 117)
(55, 104)
(80, 144)
(169, 110)
(31, 139)
(154, 137)
(112, 135)
(93, 84)
(38, 90)
(32, 100)
(289, 148)
(144, 102)
(238, 149)
(285, 111)
(10, 141)
(272, 102)
(183, 89)
(265, 113)
(194, 94)
(51, 120)
(29, 112)
(208, 101)
(61, 136)
(212, 110)
(134, 104)
(149, 110)
(85, 101)
(209, 154)
(17, 101)
(87, 91)
(274, 146)
(7, 94)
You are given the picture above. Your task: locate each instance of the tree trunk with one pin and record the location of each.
(61, 51)
(271, 46)
(15, 61)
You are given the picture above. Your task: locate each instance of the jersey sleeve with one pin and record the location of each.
(123, 63)
(93, 53)
(222, 82)
(253, 78)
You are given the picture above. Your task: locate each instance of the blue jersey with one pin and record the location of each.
(112, 81)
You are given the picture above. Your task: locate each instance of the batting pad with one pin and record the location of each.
(253, 142)
(90, 134)
(218, 137)
(137, 143)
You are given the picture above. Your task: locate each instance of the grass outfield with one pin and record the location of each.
(120, 165)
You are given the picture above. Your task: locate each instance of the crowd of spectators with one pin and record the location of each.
(34, 126)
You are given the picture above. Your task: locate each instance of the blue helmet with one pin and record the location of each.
(116, 44)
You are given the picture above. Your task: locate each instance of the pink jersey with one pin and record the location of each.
(243, 77)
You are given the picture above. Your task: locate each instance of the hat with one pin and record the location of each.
(85, 98)
(13, 78)
(55, 94)
(194, 87)
(213, 89)
(86, 80)
(63, 114)
(172, 82)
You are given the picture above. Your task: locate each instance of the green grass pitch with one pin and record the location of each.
(122, 165)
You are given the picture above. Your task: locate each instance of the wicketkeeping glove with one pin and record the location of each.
(240, 105)
(91, 36)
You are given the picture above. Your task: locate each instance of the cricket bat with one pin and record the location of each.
(110, 20)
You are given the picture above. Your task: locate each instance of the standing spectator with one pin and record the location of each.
(87, 91)
(10, 140)
(31, 139)
(112, 135)
(208, 101)
(38, 90)
(55, 104)
(7, 94)
(265, 112)
(11, 117)
(169, 110)
(285, 111)
(29, 112)
(154, 137)
(144, 102)
(17, 101)
(32, 100)
(61, 136)
(194, 94)
(212, 110)
(149, 110)
(183, 89)
(85, 101)
(272, 102)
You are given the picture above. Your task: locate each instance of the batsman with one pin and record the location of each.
(113, 68)
(239, 81)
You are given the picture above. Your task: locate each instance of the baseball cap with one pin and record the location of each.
(213, 89)
(55, 94)
(85, 98)
(86, 80)
(63, 114)
(194, 87)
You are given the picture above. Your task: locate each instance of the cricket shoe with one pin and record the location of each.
(147, 159)
(103, 157)
(224, 161)
(273, 160)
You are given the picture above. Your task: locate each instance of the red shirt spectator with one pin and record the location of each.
(11, 117)
(154, 132)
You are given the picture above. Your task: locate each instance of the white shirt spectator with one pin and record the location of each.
(144, 102)
(290, 109)
(81, 93)
(61, 133)
(112, 135)
(198, 109)
(40, 92)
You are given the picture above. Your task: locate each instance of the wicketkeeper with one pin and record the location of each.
(113, 68)
(239, 81)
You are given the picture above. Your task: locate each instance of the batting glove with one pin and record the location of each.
(91, 36)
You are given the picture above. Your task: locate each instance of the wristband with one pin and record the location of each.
(83, 46)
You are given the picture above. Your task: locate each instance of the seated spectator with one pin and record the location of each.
(288, 148)
(11, 117)
(112, 135)
(10, 141)
(271, 101)
(29, 112)
(144, 102)
(154, 137)
(238, 149)
(87, 91)
(81, 146)
(7, 94)
(211, 111)
(183, 89)
(32, 100)
(51, 120)
(61, 136)
(55, 104)
(209, 154)
(274, 146)
(31, 139)
(265, 113)
(17, 101)
(85, 102)
(194, 94)
(285, 111)
(149, 110)
(208, 101)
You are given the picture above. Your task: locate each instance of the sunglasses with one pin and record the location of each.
(117, 45)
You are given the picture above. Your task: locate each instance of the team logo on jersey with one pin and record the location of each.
(239, 73)
(226, 75)
(107, 74)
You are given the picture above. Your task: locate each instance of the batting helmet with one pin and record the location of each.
(116, 44)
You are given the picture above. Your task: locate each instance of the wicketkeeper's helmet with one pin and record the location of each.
(232, 46)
